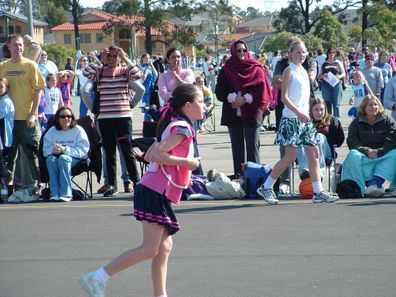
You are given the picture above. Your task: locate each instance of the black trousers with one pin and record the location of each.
(239, 135)
(112, 130)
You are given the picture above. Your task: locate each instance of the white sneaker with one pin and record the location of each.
(93, 287)
(268, 195)
(374, 192)
(325, 197)
(54, 198)
(65, 199)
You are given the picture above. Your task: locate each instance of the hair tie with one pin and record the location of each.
(165, 109)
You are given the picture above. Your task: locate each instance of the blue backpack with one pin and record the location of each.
(254, 176)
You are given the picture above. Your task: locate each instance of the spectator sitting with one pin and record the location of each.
(330, 134)
(372, 142)
(65, 144)
(208, 100)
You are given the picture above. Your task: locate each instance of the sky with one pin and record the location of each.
(263, 5)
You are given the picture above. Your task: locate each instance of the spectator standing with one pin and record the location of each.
(373, 75)
(390, 96)
(52, 98)
(386, 70)
(7, 113)
(175, 75)
(332, 74)
(244, 89)
(149, 78)
(46, 66)
(82, 80)
(25, 85)
(64, 84)
(114, 116)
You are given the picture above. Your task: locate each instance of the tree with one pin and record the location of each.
(278, 42)
(384, 21)
(312, 42)
(147, 14)
(122, 7)
(355, 34)
(302, 15)
(331, 31)
(11, 5)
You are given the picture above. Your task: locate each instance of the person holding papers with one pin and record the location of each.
(331, 75)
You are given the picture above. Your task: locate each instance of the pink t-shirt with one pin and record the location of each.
(170, 180)
(167, 82)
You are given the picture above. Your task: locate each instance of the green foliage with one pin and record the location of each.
(312, 42)
(385, 26)
(331, 31)
(277, 42)
(58, 54)
(55, 15)
(122, 7)
(355, 34)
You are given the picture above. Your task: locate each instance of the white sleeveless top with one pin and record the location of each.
(299, 91)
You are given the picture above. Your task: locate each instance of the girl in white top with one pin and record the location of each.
(53, 97)
(296, 128)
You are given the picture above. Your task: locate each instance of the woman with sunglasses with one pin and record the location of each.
(65, 144)
(82, 80)
(331, 75)
(244, 89)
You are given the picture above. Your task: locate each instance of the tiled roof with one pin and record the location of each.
(128, 20)
(70, 26)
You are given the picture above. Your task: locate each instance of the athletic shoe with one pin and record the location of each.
(93, 287)
(65, 199)
(324, 197)
(103, 189)
(268, 195)
(54, 198)
(127, 189)
(111, 192)
(374, 192)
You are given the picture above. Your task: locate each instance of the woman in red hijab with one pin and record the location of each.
(244, 89)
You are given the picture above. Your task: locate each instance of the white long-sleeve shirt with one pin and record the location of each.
(75, 142)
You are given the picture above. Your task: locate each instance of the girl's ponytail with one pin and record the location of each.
(180, 96)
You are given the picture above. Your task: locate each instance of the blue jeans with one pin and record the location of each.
(83, 108)
(59, 169)
(332, 96)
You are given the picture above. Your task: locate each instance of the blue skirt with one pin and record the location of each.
(153, 207)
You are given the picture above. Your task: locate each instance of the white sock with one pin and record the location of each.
(101, 275)
(269, 183)
(163, 295)
(317, 187)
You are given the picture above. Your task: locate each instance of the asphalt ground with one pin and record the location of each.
(225, 248)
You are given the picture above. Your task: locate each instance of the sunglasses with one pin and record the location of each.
(241, 50)
(65, 116)
(85, 60)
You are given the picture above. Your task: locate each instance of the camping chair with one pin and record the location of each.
(142, 144)
(209, 120)
(330, 174)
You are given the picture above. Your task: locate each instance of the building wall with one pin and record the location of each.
(19, 27)
(62, 36)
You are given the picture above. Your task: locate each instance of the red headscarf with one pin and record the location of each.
(248, 76)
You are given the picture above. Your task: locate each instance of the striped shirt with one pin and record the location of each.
(113, 88)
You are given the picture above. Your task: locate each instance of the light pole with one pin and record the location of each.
(30, 18)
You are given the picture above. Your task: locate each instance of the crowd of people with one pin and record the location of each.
(33, 92)
(36, 98)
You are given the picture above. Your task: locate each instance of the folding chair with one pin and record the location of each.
(209, 120)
